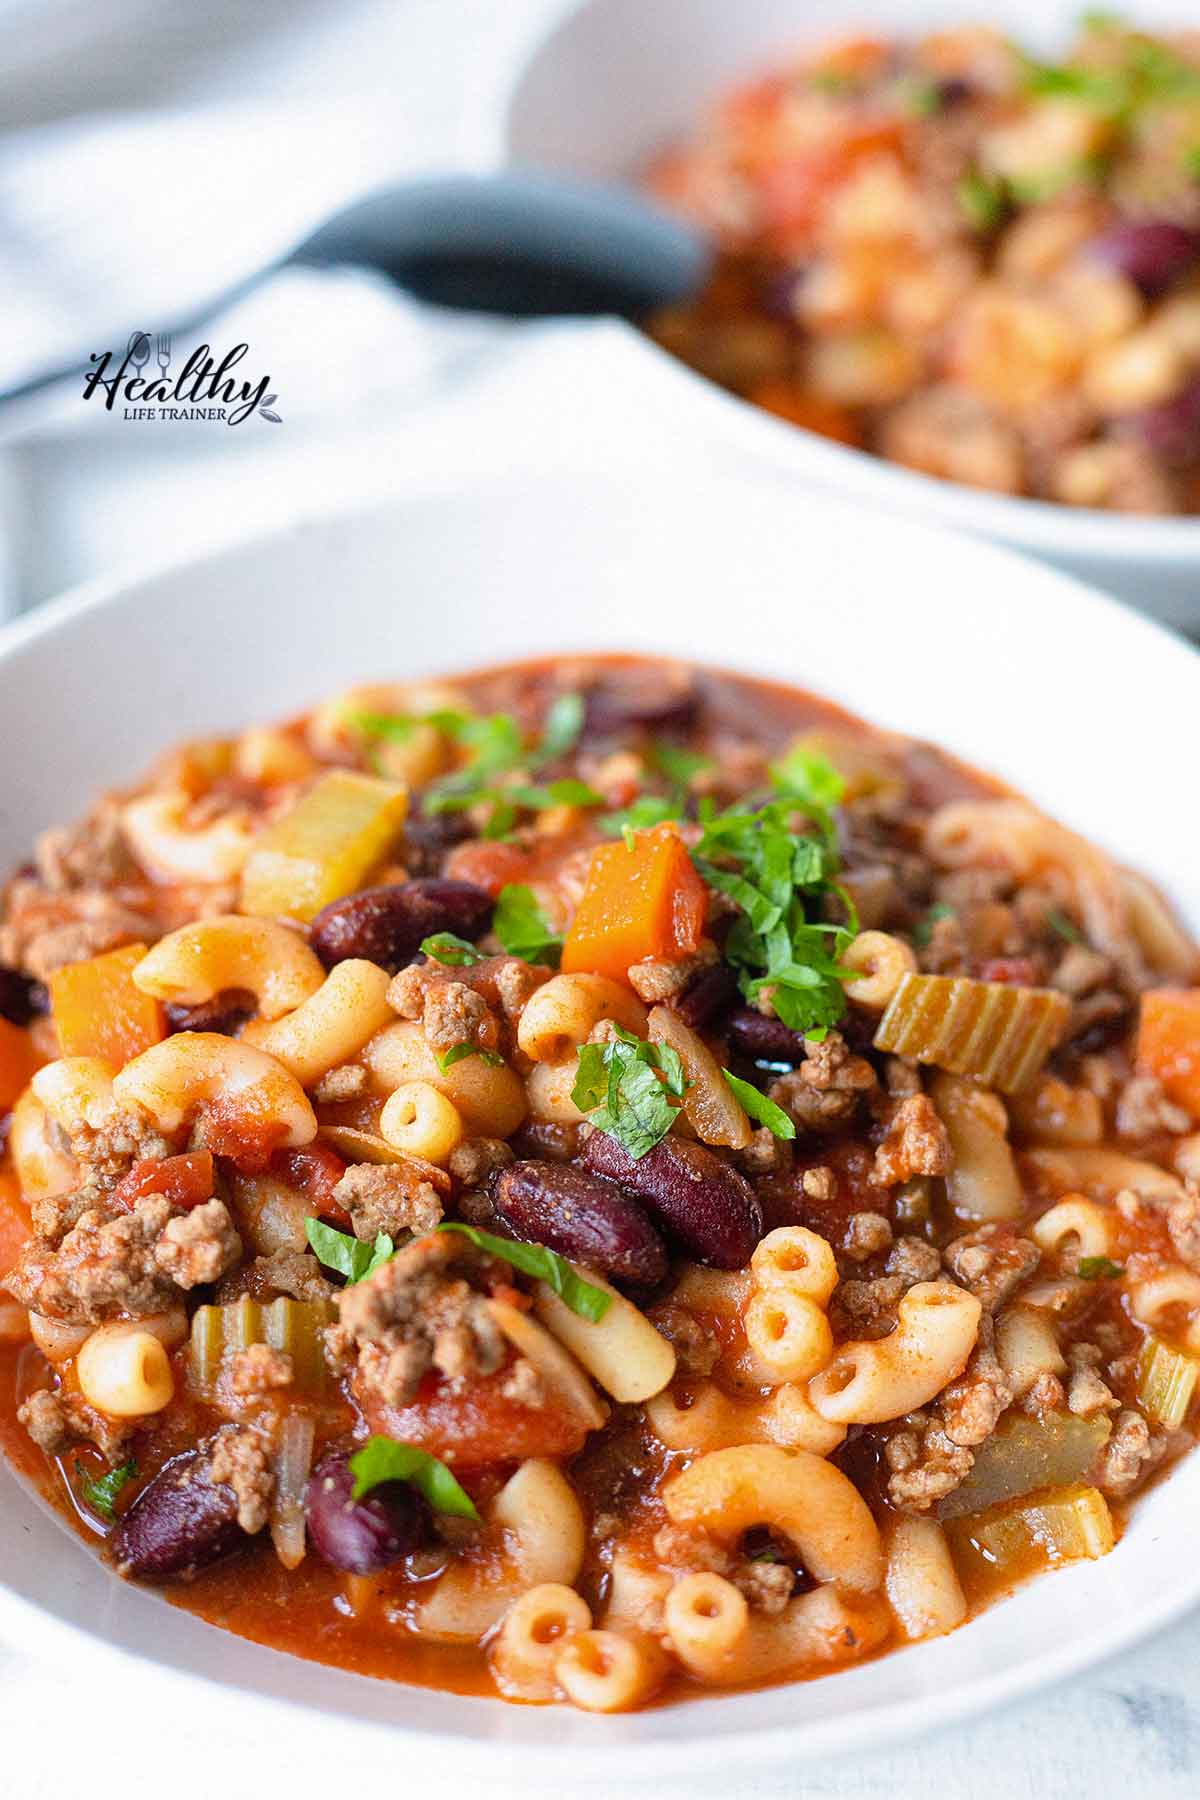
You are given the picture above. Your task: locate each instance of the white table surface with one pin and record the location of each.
(1130, 1728)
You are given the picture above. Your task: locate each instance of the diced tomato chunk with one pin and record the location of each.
(316, 1171)
(15, 1230)
(477, 1425)
(18, 1063)
(185, 1181)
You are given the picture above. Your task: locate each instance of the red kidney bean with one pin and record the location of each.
(179, 1523)
(712, 991)
(21, 998)
(386, 924)
(1171, 430)
(428, 836)
(583, 1217)
(763, 1038)
(639, 702)
(1152, 253)
(223, 1013)
(696, 1200)
(364, 1535)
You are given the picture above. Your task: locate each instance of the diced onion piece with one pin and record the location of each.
(1166, 1382)
(293, 1462)
(710, 1106)
(326, 846)
(295, 1326)
(1023, 1455)
(990, 1029)
(1069, 1524)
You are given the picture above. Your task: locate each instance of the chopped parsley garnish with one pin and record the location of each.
(581, 1296)
(561, 731)
(759, 1108)
(919, 96)
(1064, 926)
(923, 929)
(982, 200)
(101, 1494)
(383, 1459)
(680, 768)
(626, 1086)
(523, 929)
(497, 753)
(457, 1053)
(781, 876)
(1099, 1268)
(447, 947)
(340, 1251)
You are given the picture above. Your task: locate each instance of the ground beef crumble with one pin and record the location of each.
(55, 1421)
(991, 1263)
(915, 1143)
(396, 1198)
(239, 1458)
(419, 1311)
(259, 1368)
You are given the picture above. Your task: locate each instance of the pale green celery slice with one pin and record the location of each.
(1025, 1454)
(1166, 1382)
(1068, 1523)
(993, 1030)
(296, 1326)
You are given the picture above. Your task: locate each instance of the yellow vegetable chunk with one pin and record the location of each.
(1166, 1382)
(1000, 1033)
(325, 847)
(1067, 1524)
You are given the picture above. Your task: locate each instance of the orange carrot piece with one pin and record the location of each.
(98, 1011)
(18, 1062)
(1168, 1043)
(641, 901)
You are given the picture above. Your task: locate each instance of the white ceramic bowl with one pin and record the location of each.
(933, 634)
(620, 78)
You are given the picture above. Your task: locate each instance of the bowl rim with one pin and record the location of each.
(1049, 526)
(870, 1727)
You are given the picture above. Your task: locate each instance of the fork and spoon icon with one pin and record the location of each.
(138, 351)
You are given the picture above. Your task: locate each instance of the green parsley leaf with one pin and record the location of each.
(340, 1251)
(677, 764)
(1064, 926)
(625, 1086)
(383, 1459)
(645, 812)
(919, 96)
(1191, 161)
(395, 727)
(923, 929)
(756, 1104)
(779, 877)
(1099, 1268)
(567, 792)
(982, 200)
(563, 724)
(808, 777)
(100, 1494)
(523, 929)
(457, 1052)
(581, 1296)
(447, 947)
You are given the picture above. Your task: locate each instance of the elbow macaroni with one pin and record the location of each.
(1074, 1224)
(489, 1096)
(124, 1371)
(881, 962)
(174, 851)
(174, 1081)
(884, 1378)
(199, 961)
(331, 1026)
(419, 1120)
(627, 1356)
(564, 1011)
